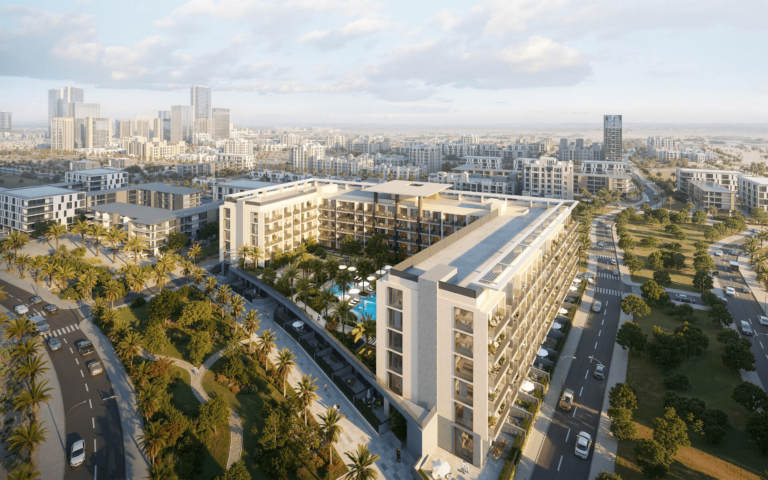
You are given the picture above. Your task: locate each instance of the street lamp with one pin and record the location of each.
(73, 407)
(592, 357)
(562, 372)
(108, 398)
(757, 335)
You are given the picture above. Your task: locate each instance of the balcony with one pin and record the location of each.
(274, 242)
(497, 372)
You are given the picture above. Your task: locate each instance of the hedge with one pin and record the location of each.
(367, 413)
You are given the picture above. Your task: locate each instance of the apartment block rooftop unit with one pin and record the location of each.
(724, 178)
(96, 179)
(155, 194)
(705, 195)
(753, 192)
(22, 208)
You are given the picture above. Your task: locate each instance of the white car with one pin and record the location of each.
(20, 309)
(719, 253)
(77, 453)
(763, 319)
(583, 444)
(597, 306)
(730, 291)
(615, 271)
(613, 261)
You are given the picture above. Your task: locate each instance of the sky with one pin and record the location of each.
(368, 62)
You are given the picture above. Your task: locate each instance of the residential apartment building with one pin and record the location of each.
(594, 176)
(22, 208)
(121, 163)
(300, 156)
(97, 132)
(182, 123)
(236, 145)
(200, 100)
(6, 121)
(612, 138)
(125, 128)
(155, 195)
(547, 177)
(661, 143)
(155, 224)
(483, 162)
(470, 314)
(59, 100)
(152, 150)
(422, 154)
(579, 151)
(221, 124)
(97, 179)
(238, 161)
(83, 165)
(222, 191)
(468, 182)
(753, 192)
(62, 133)
(706, 195)
(725, 178)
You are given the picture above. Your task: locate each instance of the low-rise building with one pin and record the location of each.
(97, 179)
(594, 176)
(725, 178)
(705, 195)
(83, 165)
(221, 191)
(22, 208)
(156, 195)
(122, 163)
(546, 177)
(753, 192)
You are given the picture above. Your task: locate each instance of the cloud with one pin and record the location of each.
(362, 27)
(250, 10)
(446, 20)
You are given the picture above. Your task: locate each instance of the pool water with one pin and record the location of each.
(367, 305)
(336, 290)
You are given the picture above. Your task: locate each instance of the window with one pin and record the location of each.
(395, 362)
(395, 383)
(395, 298)
(463, 344)
(395, 340)
(226, 213)
(462, 415)
(395, 319)
(463, 368)
(463, 391)
(464, 444)
(462, 319)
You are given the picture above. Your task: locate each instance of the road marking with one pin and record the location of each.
(89, 403)
(77, 361)
(94, 446)
(761, 344)
(586, 374)
(86, 386)
(95, 470)
(606, 303)
(605, 311)
(581, 390)
(567, 434)
(575, 409)
(599, 332)
(595, 345)
(559, 463)
(70, 350)
(81, 374)
(603, 322)
(750, 321)
(93, 422)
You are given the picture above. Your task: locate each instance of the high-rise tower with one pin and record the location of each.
(612, 143)
(200, 99)
(59, 100)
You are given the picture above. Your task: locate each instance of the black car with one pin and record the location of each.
(35, 300)
(50, 308)
(84, 347)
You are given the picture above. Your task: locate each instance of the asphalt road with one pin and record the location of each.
(89, 417)
(745, 306)
(557, 459)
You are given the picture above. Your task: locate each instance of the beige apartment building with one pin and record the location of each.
(155, 195)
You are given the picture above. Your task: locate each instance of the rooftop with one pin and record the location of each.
(38, 192)
(149, 215)
(475, 168)
(250, 184)
(702, 170)
(760, 180)
(409, 189)
(96, 171)
(710, 186)
(154, 186)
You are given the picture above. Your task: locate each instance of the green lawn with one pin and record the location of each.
(735, 457)
(183, 397)
(209, 251)
(216, 453)
(683, 279)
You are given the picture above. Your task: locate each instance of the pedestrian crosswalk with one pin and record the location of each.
(609, 291)
(605, 257)
(62, 331)
(608, 275)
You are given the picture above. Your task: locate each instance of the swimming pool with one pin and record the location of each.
(367, 305)
(337, 291)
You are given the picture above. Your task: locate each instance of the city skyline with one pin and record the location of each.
(337, 62)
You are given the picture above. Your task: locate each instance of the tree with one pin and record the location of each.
(112, 291)
(626, 243)
(176, 241)
(350, 247)
(714, 425)
(603, 475)
(654, 294)
(305, 393)
(633, 262)
(136, 245)
(30, 368)
(757, 430)
(670, 431)
(30, 400)
(330, 428)
(622, 395)
(162, 471)
(27, 437)
(164, 306)
(668, 351)
(649, 242)
(214, 412)
(17, 328)
(361, 466)
(694, 339)
(719, 313)
(97, 233)
(114, 236)
(154, 440)
(237, 471)
(662, 277)
(284, 365)
(81, 227)
(194, 252)
(195, 312)
(87, 282)
(149, 400)
(266, 344)
(622, 426)
(703, 281)
(635, 306)
(25, 471)
(155, 338)
(199, 346)
(750, 396)
(684, 312)
(630, 336)
(656, 261)
(365, 329)
(129, 346)
(738, 356)
(17, 240)
(652, 458)
(699, 217)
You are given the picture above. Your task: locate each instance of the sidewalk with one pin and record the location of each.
(541, 425)
(52, 454)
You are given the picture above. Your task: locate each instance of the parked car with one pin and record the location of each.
(54, 343)
(41, 238)
(601, 245)
(685, 299)
(613, 261)
(566, 401)
(723, 299)
(730, 291)
(583, 444)
(615, 271)
(719, 253)
(35, 300)
(745, 289)
(95, 367)
(20, 309)
(50, 308)
(734, 252)
(84, 347)
(599, 371)
(597, 306)
(77, 453)
(763, 319)
(746, 328)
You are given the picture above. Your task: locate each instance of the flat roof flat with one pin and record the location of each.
(409, 189)
(481, 248)
(710, 186)
(150, 215)
(154, 186)
(38, 192)
(760, 180)
(701, 170)
(477, 168)
(250, 184)
(96, 171)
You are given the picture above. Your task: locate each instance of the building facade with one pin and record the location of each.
(753, 192)
(221, 123)
(97, 179)
(612, 138)
(6, 121)
(155, 195)
(724, 178)
(707, 195)
(22, 208)
(182, 123)
(200, 99)
(547, 177)
(62, 133)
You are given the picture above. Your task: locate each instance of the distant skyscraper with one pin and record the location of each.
(221, 123)
(126, 128)
(612, 142)
(59, 100)
(98, 132)
(182, 123)
(200, 98)
(6, 121)
(165, 115)
(62, 133)
(80, 111)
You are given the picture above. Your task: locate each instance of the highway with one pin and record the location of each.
(91, 415)
(557, 460)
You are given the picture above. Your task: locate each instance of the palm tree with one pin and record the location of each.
(8, 257)
(140, 373)
(256, 254)
(136, 245)
(17, 328)
(27, 437)
(284, 365)
(762, 235)
(162, 471)
(81, 227)
(167, 262)
(99, 305)
(17, 240)
(330, 428)
(97, 233)
(111, 292)
(29, 400)
(251, 324)
(160, 276)
(223, 296)
(56, 230)
(344, 312)
(361, 467)
(198, 275)
(237, 307)
(186, 268)
(114, 236)
(129, 347)
(194, 252)
(365, 328)
(291, 272)
(31, 368)
(23, 261)
(303, 288)
(243, 252)
(27, 347)
(154, 440)
(326, 297)
(64, 273)
(36, 265)
(48, 270)
(266, 344)
(25, 471)
(87, 282)
(137, 281)
(306, 393)
(210, 287)
(343, 279)
(149, 400)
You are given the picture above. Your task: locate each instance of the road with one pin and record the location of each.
(745, 306)
(557, 459)
(89, 417)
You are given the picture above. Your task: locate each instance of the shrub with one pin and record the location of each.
(138, 302)
(398, 424)
(78, 252)
(678, 381)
